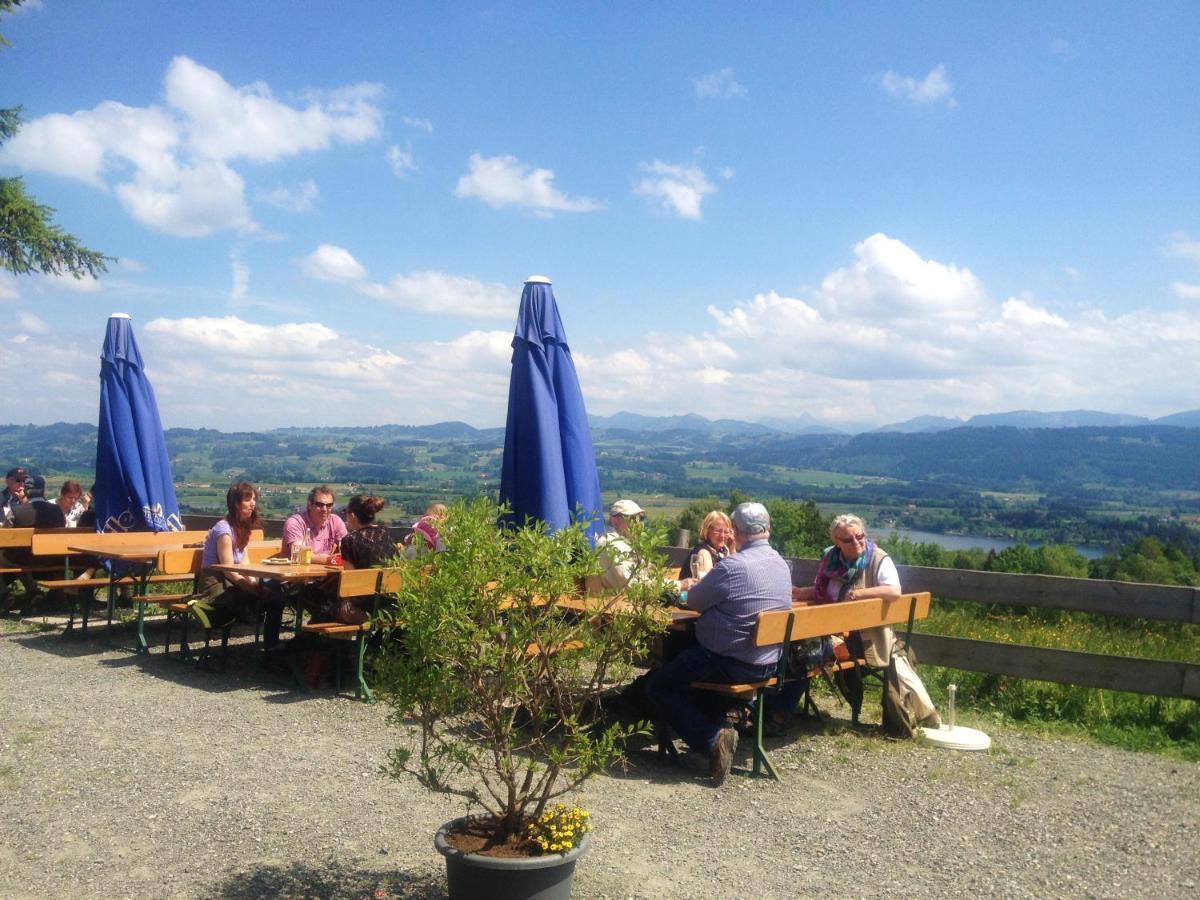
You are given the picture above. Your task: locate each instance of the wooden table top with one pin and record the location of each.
(282, 572)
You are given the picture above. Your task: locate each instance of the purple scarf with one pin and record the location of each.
(834, 565)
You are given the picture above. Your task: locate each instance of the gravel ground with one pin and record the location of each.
(126, 776)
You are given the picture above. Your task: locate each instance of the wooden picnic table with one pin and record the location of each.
(284, 573)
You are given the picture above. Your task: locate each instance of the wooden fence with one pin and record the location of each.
(1162, 603)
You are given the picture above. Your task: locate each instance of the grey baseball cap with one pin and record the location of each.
(751, 518)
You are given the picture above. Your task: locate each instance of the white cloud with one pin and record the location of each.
(331, 263)
(224, 122)
(126, 264)
(418, 124)
(1180, 244)
(8, 287)
(299, 198)
(675, 188)
(170, 167)
(450, 295)
(720, 83)
(501, 181)
(231, 337)
(933, 88)
(402, 161)
(27, 321)
(1185, 290)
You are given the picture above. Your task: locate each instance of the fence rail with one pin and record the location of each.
(1164, 603)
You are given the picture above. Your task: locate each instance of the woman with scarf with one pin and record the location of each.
(854, 568)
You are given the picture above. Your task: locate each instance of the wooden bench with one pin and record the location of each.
(802, 622)
(60, 543)
(18, 542)
(184, 562)
(356, 584)
(824, 619)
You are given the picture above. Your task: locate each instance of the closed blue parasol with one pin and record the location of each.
(134, 490)
(549, 470)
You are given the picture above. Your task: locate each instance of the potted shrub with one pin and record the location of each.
(507, 691)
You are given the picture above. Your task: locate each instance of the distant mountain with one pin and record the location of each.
(1075, 418)
(923, 425)
(1190, 419)
(627, 421)
(803, 424)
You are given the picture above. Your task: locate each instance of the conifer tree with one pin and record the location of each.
(30, 242)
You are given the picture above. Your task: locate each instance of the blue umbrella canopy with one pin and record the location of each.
(549, 470)
(134, 490)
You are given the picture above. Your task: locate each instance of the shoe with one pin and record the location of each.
(720, 758)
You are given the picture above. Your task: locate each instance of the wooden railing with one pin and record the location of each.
(1161, 603)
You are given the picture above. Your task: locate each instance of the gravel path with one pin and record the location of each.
(122, 776)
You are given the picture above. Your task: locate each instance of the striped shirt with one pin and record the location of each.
(730, 597)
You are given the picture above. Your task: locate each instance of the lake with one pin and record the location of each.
(967, 541)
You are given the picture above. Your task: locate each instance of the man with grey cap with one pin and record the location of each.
(617, 557)
(729, 598)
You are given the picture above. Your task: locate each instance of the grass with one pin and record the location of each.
(1166, 725)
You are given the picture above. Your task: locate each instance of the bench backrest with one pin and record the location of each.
(186, 560)
(855, 615)
(56, 543)
(23, 537)
(774, 627)
(366, 582)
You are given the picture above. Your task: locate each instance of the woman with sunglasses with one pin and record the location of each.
(855, 568)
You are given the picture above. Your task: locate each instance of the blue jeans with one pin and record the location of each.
(669, 689)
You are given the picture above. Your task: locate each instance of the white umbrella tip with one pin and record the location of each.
(119, 316)
(537, 279)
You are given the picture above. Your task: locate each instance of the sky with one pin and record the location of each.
(847, 213)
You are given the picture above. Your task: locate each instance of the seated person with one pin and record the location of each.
(729, 598)
(37, 511)
(425, 536)
(854, 568)
(318, 525)
(71, 501)
(716, 542)
(13, 494)
(229, 595)
(365, 546)
(619, 561)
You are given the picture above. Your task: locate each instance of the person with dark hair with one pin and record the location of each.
(318, 527)
(13, 494)
(230, 594)
(37, 511)
(70, 501)
(365, 546)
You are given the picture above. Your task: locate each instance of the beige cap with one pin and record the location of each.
(626, 508)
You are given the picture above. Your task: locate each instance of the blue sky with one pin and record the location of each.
(858, 213)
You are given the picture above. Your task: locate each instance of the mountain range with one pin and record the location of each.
(807, 425)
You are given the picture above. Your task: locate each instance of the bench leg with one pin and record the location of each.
(362, 690)
(761, 760)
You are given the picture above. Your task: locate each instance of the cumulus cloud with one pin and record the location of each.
(331, 263)
(934, 88)
(720, 84)
(1185, 290)
(171, 167)
(675, 188)
(501, 181)
(422, 291)
(443, 294)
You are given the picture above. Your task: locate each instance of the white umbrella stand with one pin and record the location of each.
(956, 737)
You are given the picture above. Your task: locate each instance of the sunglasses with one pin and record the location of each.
(323, 505)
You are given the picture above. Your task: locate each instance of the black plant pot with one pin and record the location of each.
(475, 877)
